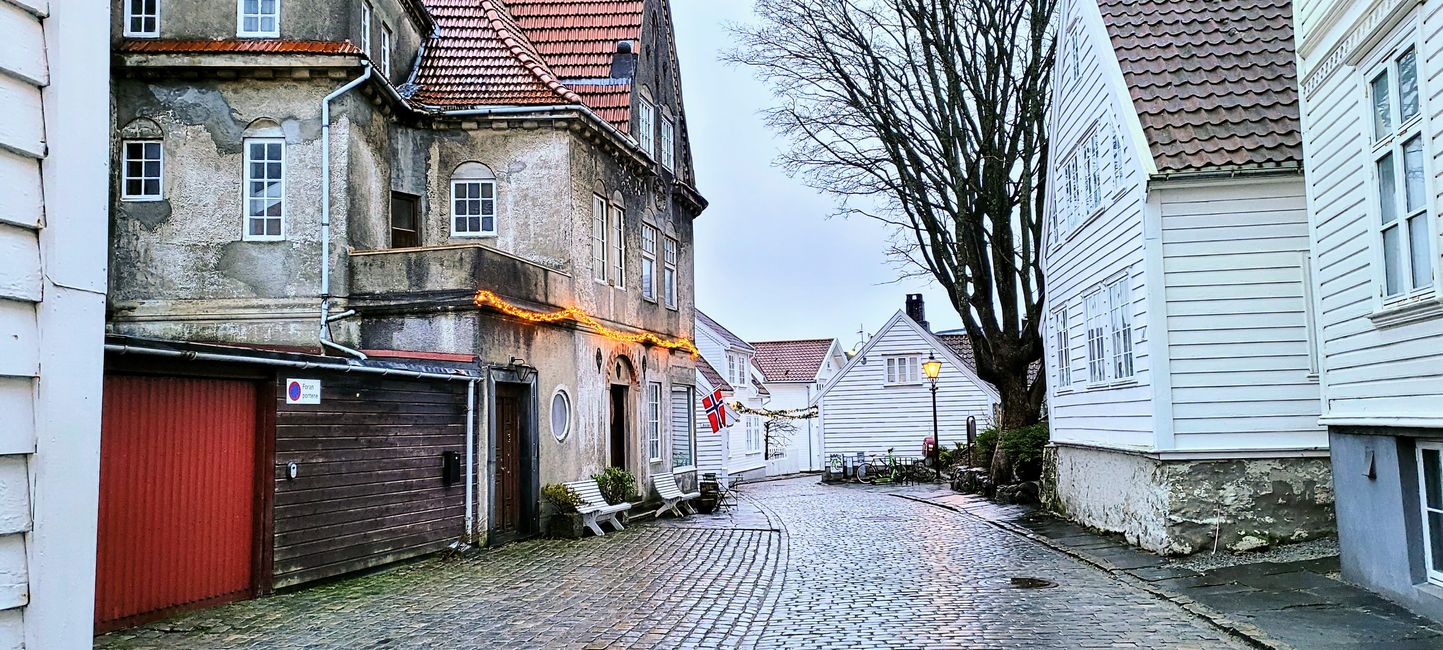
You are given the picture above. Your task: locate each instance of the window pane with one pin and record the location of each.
(1407, 85)
(1422, 253)
(273, 227)
(1431, 480)
(1382, 110)
(1387, 189)
(1413, 172)
(487, 190)
(488, 224)
(1435, 536)
(1393, 260)
(488, 207)
(152, 187)
(473, 224)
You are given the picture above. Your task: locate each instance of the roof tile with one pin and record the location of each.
(791, 360)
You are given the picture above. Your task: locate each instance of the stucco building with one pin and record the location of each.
(489, 200)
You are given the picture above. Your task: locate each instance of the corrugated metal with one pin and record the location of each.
(177, 506)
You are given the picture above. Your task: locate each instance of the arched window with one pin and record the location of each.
(142, 161)
(264, 181)
(473, 201)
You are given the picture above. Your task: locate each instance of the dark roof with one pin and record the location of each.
(712, 376)
(761, 390)
(235, 45)
(791, 360)
(1214, 83)
(962, 347)
(731, 339)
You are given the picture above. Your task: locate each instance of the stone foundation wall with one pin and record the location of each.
(1185, 506)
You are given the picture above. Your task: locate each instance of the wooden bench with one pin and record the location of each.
(672, 498)
(594, 509)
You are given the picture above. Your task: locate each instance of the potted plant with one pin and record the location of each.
(564, 521)
(617, 485)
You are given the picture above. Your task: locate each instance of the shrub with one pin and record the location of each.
(561, 497)
(617, 485)
(986, 445)
(1024, 447)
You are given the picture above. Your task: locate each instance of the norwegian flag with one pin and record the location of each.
(717, 413)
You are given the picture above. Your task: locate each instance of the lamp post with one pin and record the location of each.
(932, 367)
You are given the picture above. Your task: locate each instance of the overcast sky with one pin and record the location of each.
(770, 264)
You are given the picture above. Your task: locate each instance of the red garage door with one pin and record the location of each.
(177, 498)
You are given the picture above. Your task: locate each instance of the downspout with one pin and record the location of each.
(470, 459)
(325, 324)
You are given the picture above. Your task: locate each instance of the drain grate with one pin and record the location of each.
(1022, 582)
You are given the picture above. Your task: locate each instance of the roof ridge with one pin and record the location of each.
(521, 48)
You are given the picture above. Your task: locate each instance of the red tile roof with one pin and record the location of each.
(1214, 83)
(249, 46)
(712, 376)
(791, 360)
(962, 347)
(528, 53)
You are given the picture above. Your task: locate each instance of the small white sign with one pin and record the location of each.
(303, 391)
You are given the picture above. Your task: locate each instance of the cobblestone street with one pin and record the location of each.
(817, 566)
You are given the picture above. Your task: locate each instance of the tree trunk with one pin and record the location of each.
(1021, 406)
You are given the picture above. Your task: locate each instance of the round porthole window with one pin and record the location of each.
(560, 414)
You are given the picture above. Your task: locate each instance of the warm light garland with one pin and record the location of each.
(484, 298)
(784, 414)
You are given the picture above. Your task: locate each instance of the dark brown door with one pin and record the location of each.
(509, 472)
(618, 426)
(403, 220)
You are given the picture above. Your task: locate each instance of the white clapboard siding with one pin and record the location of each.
(1108, 245)
(1238, 339)
(862, 414)
(1372, 374)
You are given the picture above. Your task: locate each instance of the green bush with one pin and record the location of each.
(1024, 448)
(986, 445)
(617, 485)
(561, 497)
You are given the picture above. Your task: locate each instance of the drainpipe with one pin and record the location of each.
(326, 319)
(470, 460)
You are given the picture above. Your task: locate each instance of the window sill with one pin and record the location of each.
(1122, 383)
(683, 469)
(141, 199)
(474, 235)
(1410, 310)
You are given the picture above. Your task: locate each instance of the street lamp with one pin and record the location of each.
(932, 367)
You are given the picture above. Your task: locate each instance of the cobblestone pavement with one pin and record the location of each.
(821, 567)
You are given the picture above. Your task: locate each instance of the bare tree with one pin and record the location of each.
(929, 115)
(779, 432)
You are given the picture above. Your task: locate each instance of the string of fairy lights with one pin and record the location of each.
(484, 298)
(778, 414)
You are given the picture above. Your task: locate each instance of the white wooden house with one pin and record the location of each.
(1370, 75)
(880, 400)
(726, 364)
(1182, 378)
(794, 372)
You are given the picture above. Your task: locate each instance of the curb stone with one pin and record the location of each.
(1246, 632)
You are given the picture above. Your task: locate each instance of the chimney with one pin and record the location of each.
(917, 310)
(623, 62)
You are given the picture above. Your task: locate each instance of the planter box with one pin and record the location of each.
(565, 525)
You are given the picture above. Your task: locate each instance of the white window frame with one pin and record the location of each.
(653, 421)
(599, 254)
(1119, 308)
(1433, 573)
(240, 21)
(386, 51)
(1062, 339)
(366, 12)
(688, 395)
(902, 370)
(481, 202)
(646, 126)
(668, 273)
(616, 223)
(649, 235)
(1400, 133)
(1095, 316)
(125, 177)
(246, 181)
(132, 14)
(754, 434)
(668, 143)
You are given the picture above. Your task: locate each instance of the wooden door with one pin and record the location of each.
(509, 467)
(178, 510)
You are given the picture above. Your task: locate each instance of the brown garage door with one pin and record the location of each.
(177, 502)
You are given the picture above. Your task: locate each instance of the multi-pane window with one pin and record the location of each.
(142, 170)
(653, 421)
(646, 127)
(473, 207)
(366, 28)
(668, 143)
(683, 428)
(1064, 349)
(405, 209)
(598, 238)
(259, 18)
(265, 188)
(1404, 229)
(648, 262)
(142, 18)
(668, 273)
(1088, 178)
(1095, 314)
(1430, 484)
(386, 51)
(904, 370)
(618, 240)
(754, 434)
(1120, 319)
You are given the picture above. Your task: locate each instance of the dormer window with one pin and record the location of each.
(259, 18)
(142, 18)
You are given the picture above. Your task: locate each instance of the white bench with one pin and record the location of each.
(594, 509)
(671, 495)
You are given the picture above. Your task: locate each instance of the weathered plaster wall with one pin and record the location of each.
(1184, 506)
